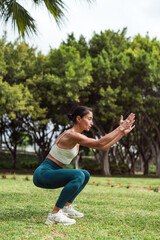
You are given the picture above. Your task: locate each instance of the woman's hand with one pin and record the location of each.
(126, 126)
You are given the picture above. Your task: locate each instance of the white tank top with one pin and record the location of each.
(64, 156)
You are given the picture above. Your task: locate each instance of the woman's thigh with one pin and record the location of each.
(55, 178)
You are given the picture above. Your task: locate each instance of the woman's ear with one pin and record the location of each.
(78, 119)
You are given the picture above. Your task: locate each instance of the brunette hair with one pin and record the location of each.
(79, 111)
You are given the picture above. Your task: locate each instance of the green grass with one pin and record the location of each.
(110, 212)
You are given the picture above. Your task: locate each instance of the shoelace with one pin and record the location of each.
(63, 216)
(63, 213)
(72, 206)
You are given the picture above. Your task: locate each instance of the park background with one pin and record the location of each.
(114, 73)
(111, 71)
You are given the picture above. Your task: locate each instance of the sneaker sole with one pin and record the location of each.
(66, 224)
(48, 222)
(74, 216)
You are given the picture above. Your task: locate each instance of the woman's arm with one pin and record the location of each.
(101, 144)
(108, 140)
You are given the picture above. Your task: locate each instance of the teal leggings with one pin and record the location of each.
(51, 176)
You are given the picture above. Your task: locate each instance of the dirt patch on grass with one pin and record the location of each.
(59, 235)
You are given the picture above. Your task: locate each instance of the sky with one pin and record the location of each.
(139, 16)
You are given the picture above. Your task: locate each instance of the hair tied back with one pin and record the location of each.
(70, 116)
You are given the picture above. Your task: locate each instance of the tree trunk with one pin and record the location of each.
(146, 168)
(132, 163)
(14, 158)
(76, 161)
(132, 167)
(158, 158)
(0, 141)
(141, 164)
(105, 161)
(145, 163)
(41, 156)
(41, 152)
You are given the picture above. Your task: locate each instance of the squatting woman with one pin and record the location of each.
(51, 174)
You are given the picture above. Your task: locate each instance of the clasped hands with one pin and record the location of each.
(126, 125)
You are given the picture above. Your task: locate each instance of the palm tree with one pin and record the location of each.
(22, 19)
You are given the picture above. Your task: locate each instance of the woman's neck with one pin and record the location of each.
(76, 128)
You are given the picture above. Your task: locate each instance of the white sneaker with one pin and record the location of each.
(72, 212)
(59, 218)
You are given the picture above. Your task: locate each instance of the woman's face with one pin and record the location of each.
(86, 122)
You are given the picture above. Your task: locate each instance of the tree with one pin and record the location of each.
(58, 90)
(15, 103)
(109, 61)
(3, 64)
(126, 78)
(111, 73)
(144, 86)
(22, 19)
(81, 45)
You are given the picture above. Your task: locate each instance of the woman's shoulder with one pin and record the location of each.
(76, 135)
(69, 134)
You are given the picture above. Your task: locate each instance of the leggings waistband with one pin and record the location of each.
(53, 164)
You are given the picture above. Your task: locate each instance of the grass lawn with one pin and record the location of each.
(130, 209)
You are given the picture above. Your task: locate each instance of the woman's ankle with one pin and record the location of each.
(56, 210)
(68, 204)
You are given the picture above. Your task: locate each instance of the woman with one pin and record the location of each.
(51, 173)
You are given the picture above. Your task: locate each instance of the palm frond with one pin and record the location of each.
(20, 17)
(56, 8)
(11, 9)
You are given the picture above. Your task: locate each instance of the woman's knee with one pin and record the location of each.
(79, 176)
(86, 174)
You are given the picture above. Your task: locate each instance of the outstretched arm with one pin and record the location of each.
(125, 127)
(108, 140)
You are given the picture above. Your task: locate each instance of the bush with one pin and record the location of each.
(5, 160)
(29, 165)
(91, 166)
(120, 169)
(152, 169)
(24, 160)
(95, 168)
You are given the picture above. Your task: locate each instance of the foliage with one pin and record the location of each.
(24, 160)
(91, 166)
(121, 169)
(29, 164)
(96, 168)
(111, 73)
